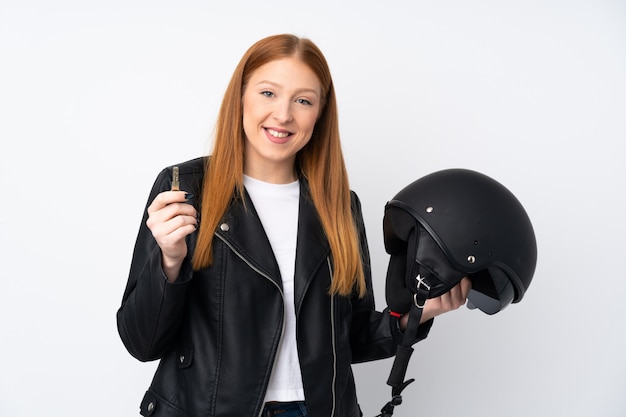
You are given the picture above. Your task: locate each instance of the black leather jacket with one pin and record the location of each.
(216, 331)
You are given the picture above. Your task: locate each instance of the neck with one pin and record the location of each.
(272, 174)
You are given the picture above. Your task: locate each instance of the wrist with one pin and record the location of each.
(171, 268)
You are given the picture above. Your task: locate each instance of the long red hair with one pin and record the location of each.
(321, 162)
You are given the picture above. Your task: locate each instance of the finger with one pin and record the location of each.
(168, 212)
(454, 298)
(179, 209)
(165, 198)
(460, 293)
(449, 300)
(171, 226)
(466, 286)
(174, 246)
(176, 236)
(442, 303)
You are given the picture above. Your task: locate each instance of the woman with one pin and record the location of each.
(261, 307)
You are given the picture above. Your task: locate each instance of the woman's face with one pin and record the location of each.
(281, 104)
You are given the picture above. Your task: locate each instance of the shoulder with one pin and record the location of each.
(191, 171)
(191, 167)
(191, 174)
(355, 202)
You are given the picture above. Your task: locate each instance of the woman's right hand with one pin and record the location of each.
(171, 219)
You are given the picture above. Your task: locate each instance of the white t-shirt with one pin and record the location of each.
(277, 206)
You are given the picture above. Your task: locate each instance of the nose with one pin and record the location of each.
(282, 111)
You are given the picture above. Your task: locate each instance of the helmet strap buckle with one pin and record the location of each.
(421, 294)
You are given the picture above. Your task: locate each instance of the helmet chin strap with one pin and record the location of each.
(405, 349)
(421, 291)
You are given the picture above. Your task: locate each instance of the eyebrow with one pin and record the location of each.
(299, 90)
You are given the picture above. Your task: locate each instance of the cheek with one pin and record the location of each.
(249, 117)
(310, 122)
(245, 108)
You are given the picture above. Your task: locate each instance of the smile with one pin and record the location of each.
(276, 134)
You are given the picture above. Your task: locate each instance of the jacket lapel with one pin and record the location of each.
(245, 234)
(243, 231)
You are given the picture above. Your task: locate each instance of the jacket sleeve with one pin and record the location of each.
(152, 309)
(374, 335)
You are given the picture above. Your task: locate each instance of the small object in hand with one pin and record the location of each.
(175, 179)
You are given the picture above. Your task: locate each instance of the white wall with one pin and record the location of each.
(96, 97)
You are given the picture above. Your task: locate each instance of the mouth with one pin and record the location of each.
(279, 136)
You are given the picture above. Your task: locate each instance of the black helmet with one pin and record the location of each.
(455, 223)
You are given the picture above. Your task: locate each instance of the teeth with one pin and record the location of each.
(277, 134)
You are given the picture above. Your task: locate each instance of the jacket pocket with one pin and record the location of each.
(156, 406)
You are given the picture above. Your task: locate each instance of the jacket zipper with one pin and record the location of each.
(267, 277)
(332, 321)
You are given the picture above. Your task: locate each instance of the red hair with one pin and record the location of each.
(321, 162)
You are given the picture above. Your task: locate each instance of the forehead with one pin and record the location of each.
(286, 72)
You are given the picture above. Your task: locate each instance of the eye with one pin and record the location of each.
(267, 93)
(304, 101)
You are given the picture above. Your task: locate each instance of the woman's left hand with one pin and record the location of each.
(449, 301)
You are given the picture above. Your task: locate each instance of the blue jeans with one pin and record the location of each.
(291, 409)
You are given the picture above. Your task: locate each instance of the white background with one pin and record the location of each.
(97, 96)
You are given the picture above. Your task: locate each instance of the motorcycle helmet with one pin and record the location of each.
(455, 223)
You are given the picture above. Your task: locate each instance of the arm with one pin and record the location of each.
(374, 335)
(153, 301)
